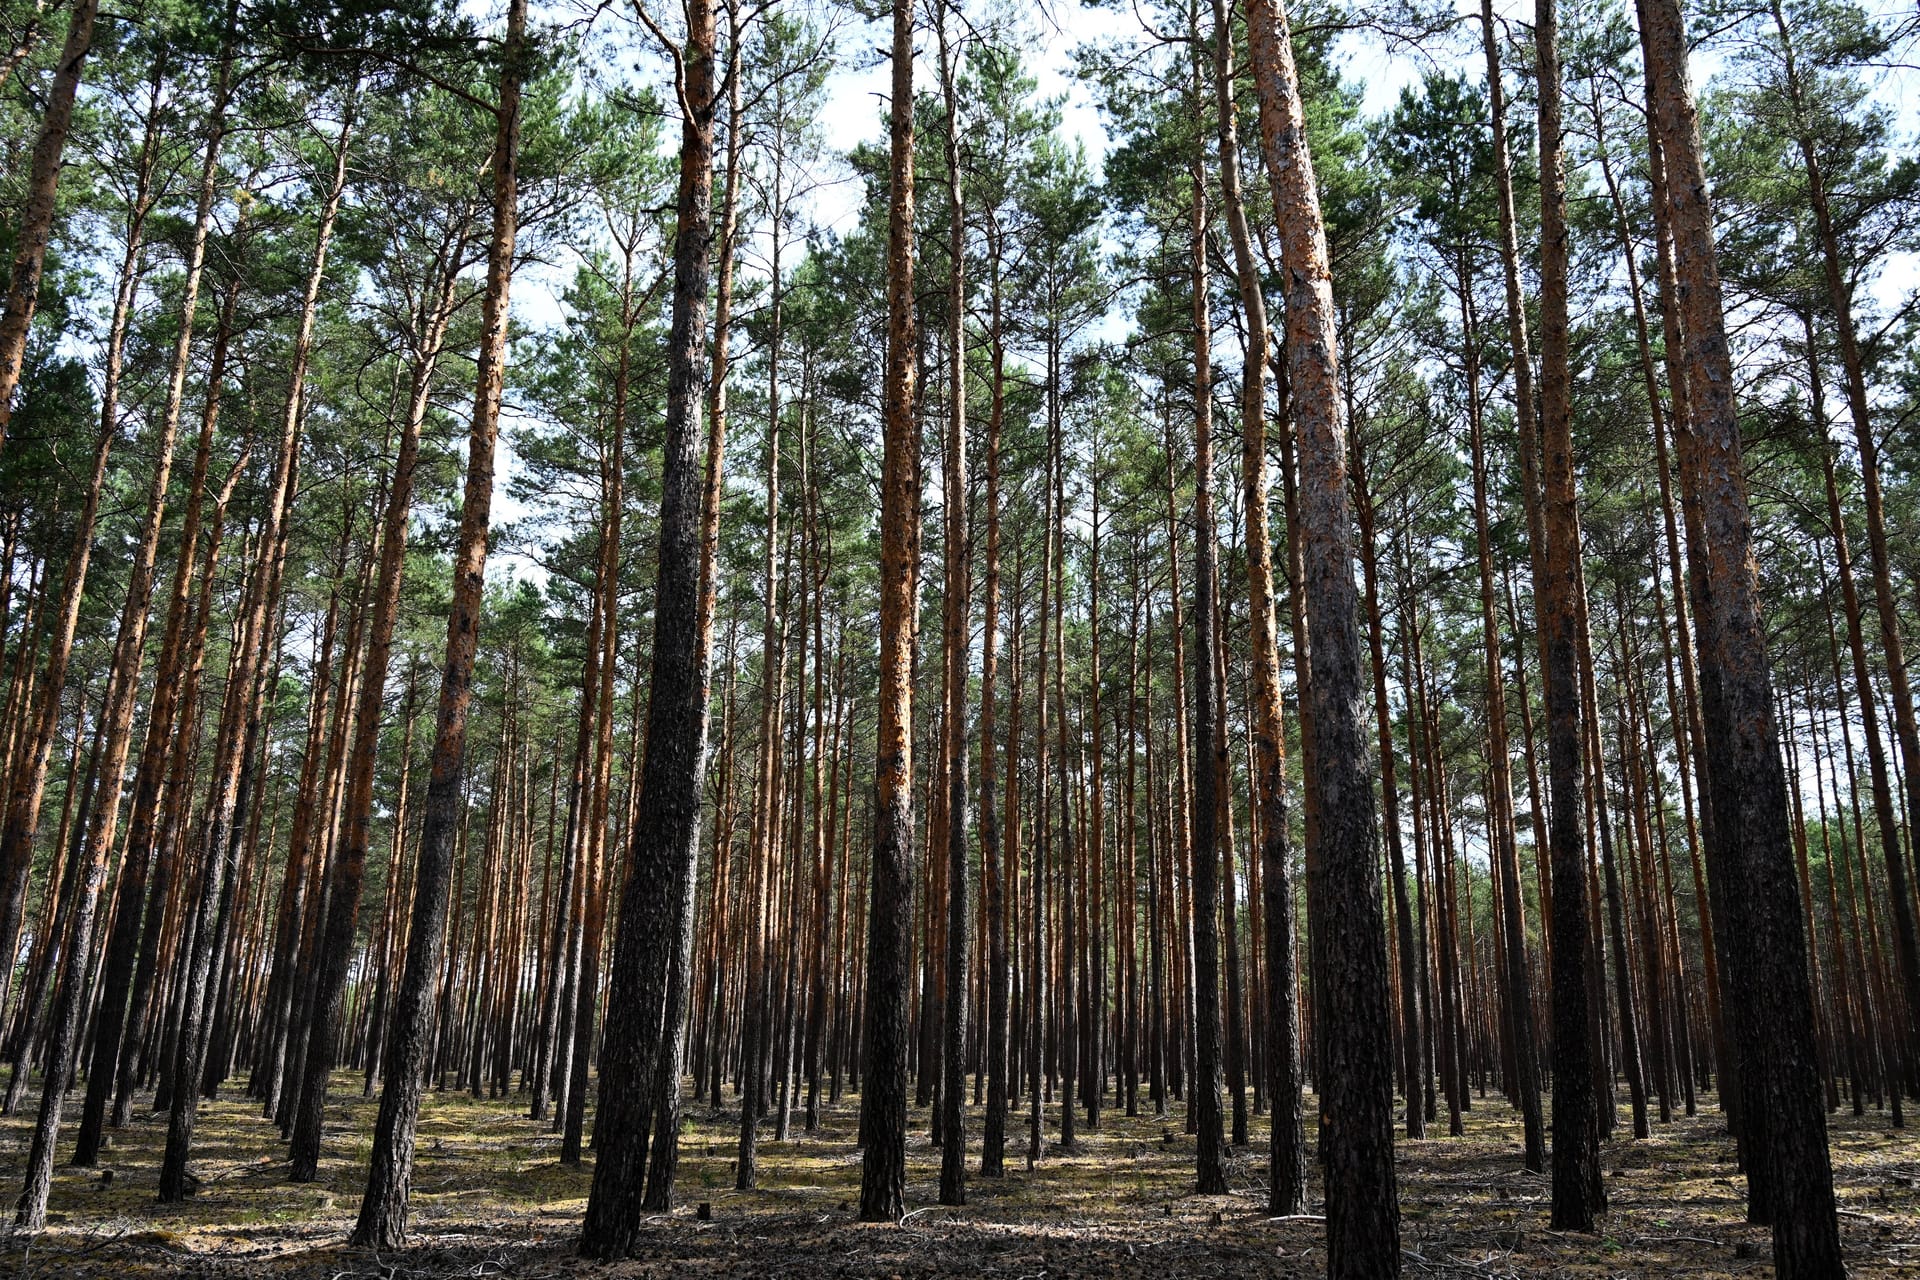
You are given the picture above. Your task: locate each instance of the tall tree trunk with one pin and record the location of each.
(996, 871)
(889, 927)
(957, 624)
(1578, 1193)
(1410, 931)
(596, 861)
(1204, 818)
(763, 845)
(1067, 837)
(656, 918)
(1749, 787)
(382, 1220)
(1689, 735)
(1697, 679)
(1517, 978)
(664, 1155)
(1356, 1034)
(820, 849)
(1286, 1176)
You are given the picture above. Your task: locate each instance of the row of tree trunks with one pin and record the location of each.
(124, 677)
(184, 966)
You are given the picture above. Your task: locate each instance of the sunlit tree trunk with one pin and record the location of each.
(37, 211)
(884, 1075)
(1287, 1147)
(1356, 1035)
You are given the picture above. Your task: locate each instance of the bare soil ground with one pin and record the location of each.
(490, 1199)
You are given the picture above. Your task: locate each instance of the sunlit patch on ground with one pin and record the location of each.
(491, 1199)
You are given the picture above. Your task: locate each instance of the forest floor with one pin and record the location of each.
(491, 1199)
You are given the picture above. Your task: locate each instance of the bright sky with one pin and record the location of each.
(1055, 29)
(858, 88)
(855, 100)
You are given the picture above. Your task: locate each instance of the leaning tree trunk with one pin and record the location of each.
(36, 215)
(656, 918)
(663, 1159)
(383, 1206)
(1286, 1175)
(1356, 1033)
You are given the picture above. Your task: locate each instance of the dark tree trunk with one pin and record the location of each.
(1204, 818)
(1748, 783)
(995, 870)
(1579, 1197)
(957, 623)
(654, 931)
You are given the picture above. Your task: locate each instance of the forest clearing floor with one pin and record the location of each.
(491, 1199)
